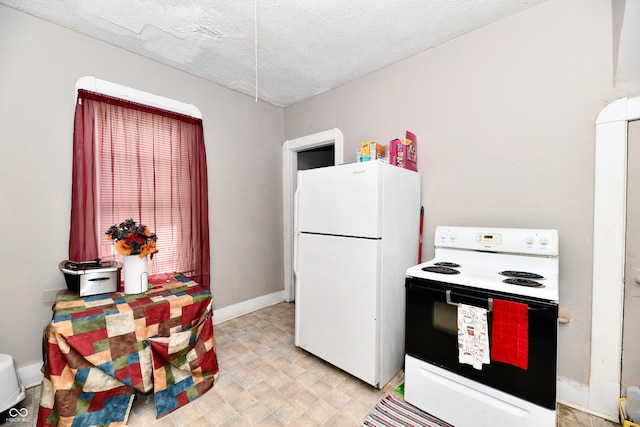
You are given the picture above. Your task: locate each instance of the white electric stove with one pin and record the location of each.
(478, 266)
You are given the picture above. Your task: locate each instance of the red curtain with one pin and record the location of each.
(140, 162)
(83, 238)
(200, 210)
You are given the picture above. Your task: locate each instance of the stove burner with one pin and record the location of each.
(440, 270)
(447, 264)
(523, 282)
(521, 274)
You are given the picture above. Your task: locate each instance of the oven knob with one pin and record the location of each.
(443, 235)
(544, 241)
(453, 236)
(529, 240)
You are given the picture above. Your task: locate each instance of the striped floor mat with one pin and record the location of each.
(393, 411)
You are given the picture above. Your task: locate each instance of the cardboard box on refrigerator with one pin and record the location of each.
(404, 152)
(370, 150)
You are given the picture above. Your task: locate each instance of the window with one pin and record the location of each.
(136, 161)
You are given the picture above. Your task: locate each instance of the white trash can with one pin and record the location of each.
(11, 389)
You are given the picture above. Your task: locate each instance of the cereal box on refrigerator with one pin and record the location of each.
(370, 150)
(404, 152)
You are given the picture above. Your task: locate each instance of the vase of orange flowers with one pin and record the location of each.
(136, 243)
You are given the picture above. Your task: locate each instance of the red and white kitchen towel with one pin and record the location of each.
(509, 334)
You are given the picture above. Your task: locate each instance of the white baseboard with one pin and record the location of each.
(581, 396)
(227, 313)
(572, 393)
(31, 375)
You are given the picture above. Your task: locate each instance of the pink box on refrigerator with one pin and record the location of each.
(404, 152)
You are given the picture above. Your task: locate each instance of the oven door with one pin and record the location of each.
(431, 335)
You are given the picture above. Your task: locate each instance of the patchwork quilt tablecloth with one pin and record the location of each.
(100, 350)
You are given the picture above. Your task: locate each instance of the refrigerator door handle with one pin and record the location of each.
(296, 233)
(295, 254)
(296, 201)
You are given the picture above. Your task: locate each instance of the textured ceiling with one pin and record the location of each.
(303, 47)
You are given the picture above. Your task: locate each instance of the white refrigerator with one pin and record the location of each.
(357, 230)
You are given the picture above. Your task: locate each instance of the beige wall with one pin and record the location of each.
(505, 123)
(39, 65)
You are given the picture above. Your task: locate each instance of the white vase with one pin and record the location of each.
(136, 278)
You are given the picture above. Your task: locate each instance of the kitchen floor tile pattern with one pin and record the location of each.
(265, 380)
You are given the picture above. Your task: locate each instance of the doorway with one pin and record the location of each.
(603, 391)
(316, 157)
(311, 151)
(630, 375)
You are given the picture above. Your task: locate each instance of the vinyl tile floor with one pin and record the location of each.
(265, 380)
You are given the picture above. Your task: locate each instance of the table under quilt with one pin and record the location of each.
(100, 350)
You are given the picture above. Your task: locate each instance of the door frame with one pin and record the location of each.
(609, 218)
(290, 150)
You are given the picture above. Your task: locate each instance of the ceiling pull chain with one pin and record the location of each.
(255, 38)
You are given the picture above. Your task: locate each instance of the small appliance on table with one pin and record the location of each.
(91, 277)
(481, 327)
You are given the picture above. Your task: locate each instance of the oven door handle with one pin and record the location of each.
(449, 301)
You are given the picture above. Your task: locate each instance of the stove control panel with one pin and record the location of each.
(488, 239)
(541, 242)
